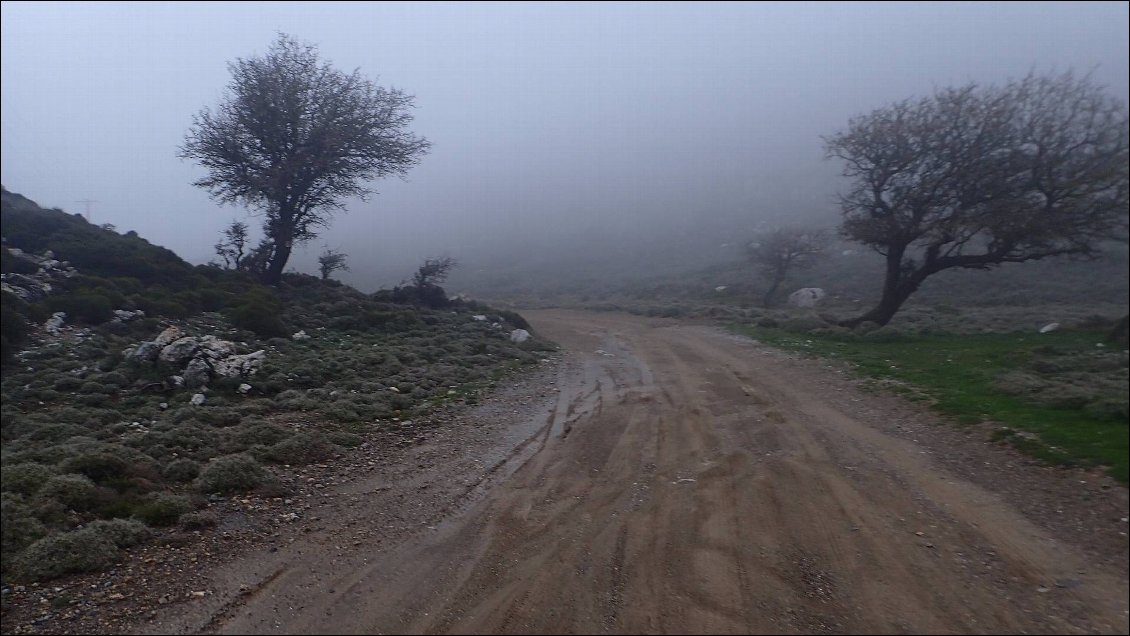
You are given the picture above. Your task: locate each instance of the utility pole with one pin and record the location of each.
(87, 202)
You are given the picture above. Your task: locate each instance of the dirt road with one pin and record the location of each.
(682, 480)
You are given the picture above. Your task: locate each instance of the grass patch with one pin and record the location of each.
(960, 376)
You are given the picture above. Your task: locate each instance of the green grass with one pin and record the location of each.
(956, 373)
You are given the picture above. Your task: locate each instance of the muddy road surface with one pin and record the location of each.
(678, 479)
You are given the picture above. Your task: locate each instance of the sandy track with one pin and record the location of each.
(688, 481)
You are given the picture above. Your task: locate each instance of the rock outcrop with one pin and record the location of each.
(195, 361)
(35, 286)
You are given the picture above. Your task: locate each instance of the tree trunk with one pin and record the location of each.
(278, 261)
(882, 313)
(768, 298)
(898, 285)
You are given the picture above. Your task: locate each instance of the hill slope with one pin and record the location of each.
(136, 386)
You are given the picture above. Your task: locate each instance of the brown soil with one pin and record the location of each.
(662, 478)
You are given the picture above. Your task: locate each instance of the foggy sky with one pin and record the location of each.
(549, 122)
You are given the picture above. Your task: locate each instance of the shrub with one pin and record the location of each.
(514, 318)
(82, 550)
(343, 438)
(99, 466)
(260, 434)
(76, 492)
(25, 479)
(18, 526)
(182, 469)
(303, 448)
(13, 326)
(198, 520)
(1109, 408)
(123, 533)
(232, 473)
(260, 315)
(163, 509)
(86, 306)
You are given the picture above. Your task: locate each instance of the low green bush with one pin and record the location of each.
(124, 533)
(232, 473)
(198, 520)
(82, 550)
(76, 492)
(162, 509)
(19, 526)
(182, 469)
(303, 448)
(25, 479)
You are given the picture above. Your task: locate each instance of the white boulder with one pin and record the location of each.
(519, 336)
(54, 324)
(807, 297)
(240, 366)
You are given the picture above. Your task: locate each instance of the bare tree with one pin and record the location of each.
(232, 247)
(784, 250)
(295, 137)
(976, 176)
(331, 261)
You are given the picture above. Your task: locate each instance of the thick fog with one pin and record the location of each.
(560, 132)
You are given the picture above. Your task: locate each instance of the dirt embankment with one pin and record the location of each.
(669, 478)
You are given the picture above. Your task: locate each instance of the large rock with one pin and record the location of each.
(197, 373)
(168, 336)
(215, 349)
(180, 351)
(807, 297)
(144, 352)
(519, 336)
(240, 366)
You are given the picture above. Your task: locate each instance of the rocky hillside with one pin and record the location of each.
(137, 390)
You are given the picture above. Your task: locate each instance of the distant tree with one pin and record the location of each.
(976, 176)
(295, 137)
(331, 261)
(424, 289)
(433, 271)
(258, 258)
(232, 247)
(784, 250)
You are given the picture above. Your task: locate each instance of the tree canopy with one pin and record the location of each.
(977, 176)
(294, 137)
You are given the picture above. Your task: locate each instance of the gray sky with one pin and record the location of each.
(547, 120)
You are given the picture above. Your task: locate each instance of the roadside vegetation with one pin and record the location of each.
(1060, 396)
(100, 450)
